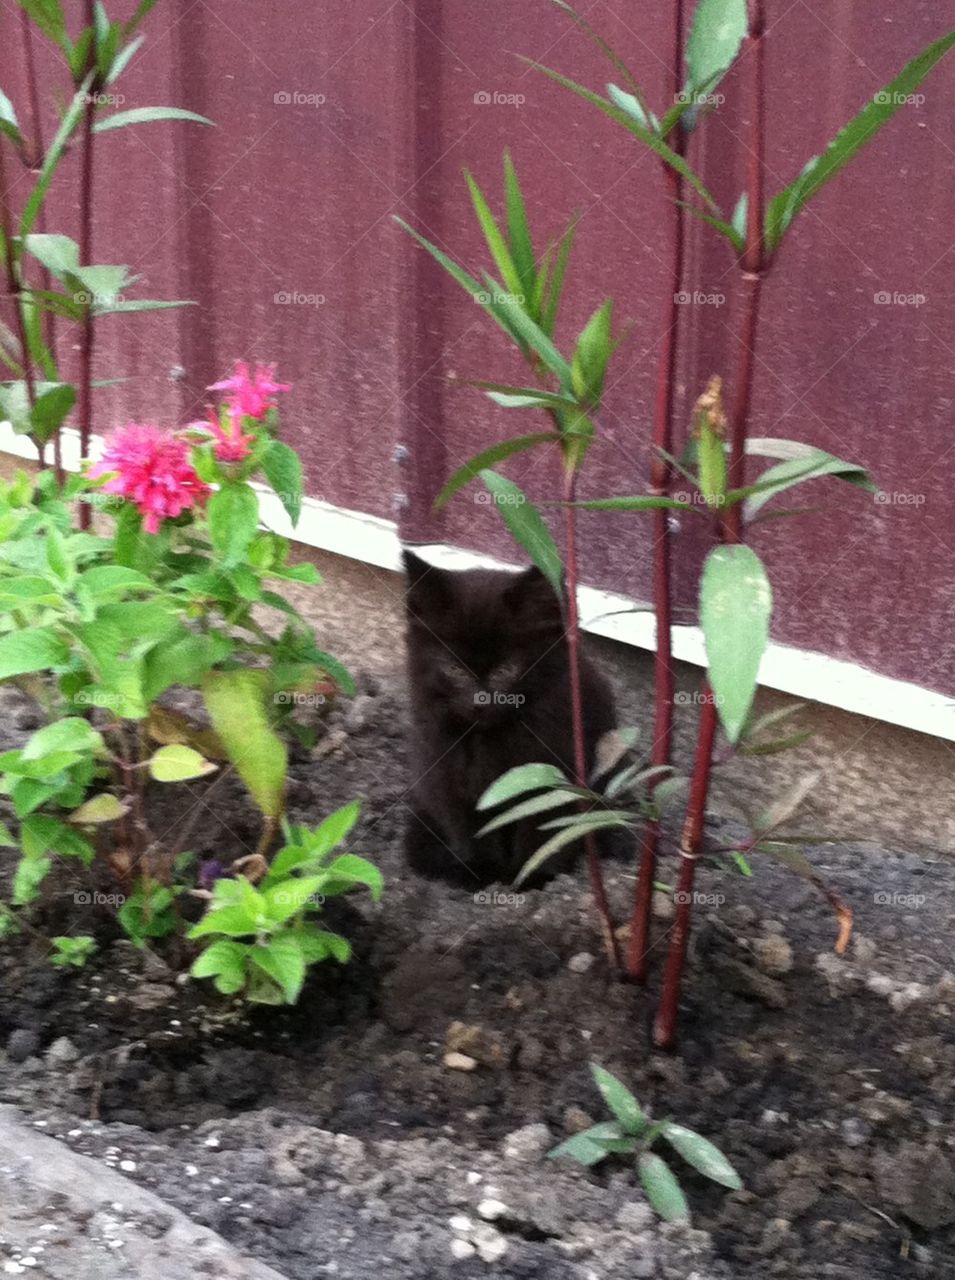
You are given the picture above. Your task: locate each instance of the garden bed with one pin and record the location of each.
(333, 1138)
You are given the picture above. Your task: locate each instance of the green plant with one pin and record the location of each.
(735, 597)
(72, 952)
(264, 937)
(633, 1133)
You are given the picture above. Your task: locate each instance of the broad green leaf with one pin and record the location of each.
(735, 606)
(27, 879)
(482, 461)
(240, 706)
(348, 871)
(784, 207)
(233, 513)
(287, 898)
(619, 1099)
(41, 834)
(59, 254)
(718, 30)
(111, 581)
(528, 808)
(224, 958)
(38, 649)
(146, 115)
(523, 777)
(102, 808)
(283, 470)
(72, 734)
(284, 963)
(177, 763)
(702, 1155)
(330, 833)
(663, 1190)
(526, 526)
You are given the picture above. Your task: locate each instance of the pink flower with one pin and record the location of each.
(252, 397)
(153, 470)
(230, 445)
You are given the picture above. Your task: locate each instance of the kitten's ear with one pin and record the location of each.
(532, 598)
(427, 586)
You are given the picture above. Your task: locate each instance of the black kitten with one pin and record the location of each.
(488, 672)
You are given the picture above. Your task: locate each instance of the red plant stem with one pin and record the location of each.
(594, 870)
(731, 530)
(86, 258)
(660, 480)
(34, 160)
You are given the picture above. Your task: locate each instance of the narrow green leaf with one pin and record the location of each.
(735, 607)
(8, 121)
(784, 207)
(595, 346)
(550, 303)
(526, 526)
(529, 332)
(489, 458)
(523, 777)
(702, 1155)
(643, 502)
(527, 809)
(146, 115)
(631, 104)
(53, 156)
(518, 230)
(594, 1144)
(663, 1191)
(495, 240)
(619, 1099)
(560, 840)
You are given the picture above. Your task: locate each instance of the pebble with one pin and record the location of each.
(356, 717)
(128, 1166)
(490, 1210)
(528, 1143)
(773, 954)
(461, 1250)
(662, 905)
(62, 1050)
(460, 1062)
(460, 1223)
(906, 996)
(22, 1043)
(576, 1119)
(581, 962)
(490, 1244)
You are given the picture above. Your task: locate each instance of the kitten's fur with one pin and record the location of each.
(475, 637)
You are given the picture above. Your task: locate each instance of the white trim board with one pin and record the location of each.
(375, 541)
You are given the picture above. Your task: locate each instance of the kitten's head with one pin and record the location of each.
(478, 637)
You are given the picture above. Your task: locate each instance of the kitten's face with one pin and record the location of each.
(477, 637)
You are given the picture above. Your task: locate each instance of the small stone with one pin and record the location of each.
(356, 717)
(576, 1120)
(905, 997)
(855, 1132)
(476, 1042)
(773, 954)
(461, 1224)
(581, 962)
(740, 916)
(529, 1143)
(773, 926)
(636, 1216)
(128, 1166)
(880, 984)
(490, 1210)
(460, 1062)
(662, 905)
(461, 1250)
(22, 1044)
(864, 950)
(62, 1051)
(489, 1242)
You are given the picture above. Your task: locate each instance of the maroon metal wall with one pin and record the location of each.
(333, 117)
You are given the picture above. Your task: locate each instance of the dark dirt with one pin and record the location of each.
(334, 1139)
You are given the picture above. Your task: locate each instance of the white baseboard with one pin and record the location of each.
(805, 674)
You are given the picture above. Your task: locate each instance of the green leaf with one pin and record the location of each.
(518, 231)
(330, 833)
(643, 502)
(29, 876)
(72, 734)
(702, 1155)
(48, 17)
(784, 207)
(645, 135)
(38, 649)
(814, 464)
(482, 461)
(718, 30)
(146, 115)
(712, 465)
(224, 960)
(282, 960)
(527, 809)
(594, 349)
(663, 1190)
(524, 777)
(550, 303)
(519, 323)
(348, 871)
(239, 704)
(283, 470)
(735, 606)
(142, 9)
(587, 825)
(177, 762)
(41, 834)
(8, 121)
(495, 240)
(619, 1099)
(526, 526)
(633, 107)
(785, 805)
(102, 808)
(233, 513)
(593, 1144)
(53, 156)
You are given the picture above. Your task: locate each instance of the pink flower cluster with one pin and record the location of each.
(152, 468)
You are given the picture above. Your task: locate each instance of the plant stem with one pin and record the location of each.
(86, 258)
(730, 527)
(14, 286)
(660, 480)
(595, 872)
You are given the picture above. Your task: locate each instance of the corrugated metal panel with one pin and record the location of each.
(331, 118)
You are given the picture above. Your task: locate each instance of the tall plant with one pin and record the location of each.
(735, 594)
